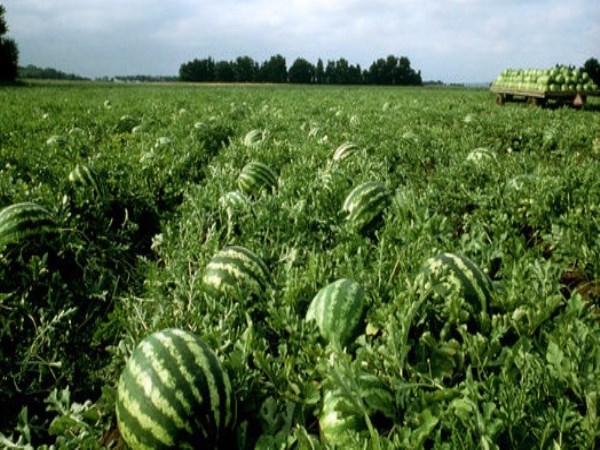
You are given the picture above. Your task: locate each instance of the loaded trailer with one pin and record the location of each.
(540, 97)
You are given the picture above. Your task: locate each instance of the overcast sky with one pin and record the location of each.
(448, 40)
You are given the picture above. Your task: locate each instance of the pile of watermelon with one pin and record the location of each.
(556, 79)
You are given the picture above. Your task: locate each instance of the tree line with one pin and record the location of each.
(46, 73)
(384, 71)
(9, 52)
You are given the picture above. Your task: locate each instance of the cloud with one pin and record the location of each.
(452, 40)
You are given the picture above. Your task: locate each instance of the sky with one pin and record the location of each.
(468, 41)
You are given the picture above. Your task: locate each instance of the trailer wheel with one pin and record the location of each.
(500, 99)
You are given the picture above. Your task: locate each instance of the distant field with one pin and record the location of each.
(127, 193)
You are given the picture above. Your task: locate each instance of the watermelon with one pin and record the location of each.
(84, 177)
(339, 310)
(253, 138)
(24, 220)
(344, 151)
(126, 124)
(234, 200)
(255, 177)
(174, 393)
(341, 418)
(365, 204)
(57, 140)
(338, 422)
(235, 270)
(457, 291)
(481, 155)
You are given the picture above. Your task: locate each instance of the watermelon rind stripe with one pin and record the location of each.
(221, 393)
(338, 309)
(226, 275)
(131, 426)
(365, 203)
(149, 385)
(185, 354)
(84, 176)
(168, 370)
(369, 206)
(138, 423)
(367, 193)
(160, 361)
(215, 385)
(22, 220)
(236, 266)
(344, 150)
(255, 176)
(470, 276)
(264, 173)
(243, 259)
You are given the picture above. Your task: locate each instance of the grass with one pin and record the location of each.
(130, 262)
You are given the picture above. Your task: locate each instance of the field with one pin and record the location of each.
(134, 184)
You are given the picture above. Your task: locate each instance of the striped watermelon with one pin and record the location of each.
(337, 421)
(481, 155)
(84, 177)
(253, 138)
(341, 418)
(339, 310)
(57, 140)
(235, 270)
(456, 288)
(23, 220)
(344, 151)
(126, 124)
(234, 200)
(174, 393)
(256, 176)
(365, 204)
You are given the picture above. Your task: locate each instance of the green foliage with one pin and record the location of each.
(9, 51)
(388, 71)
(133, 245)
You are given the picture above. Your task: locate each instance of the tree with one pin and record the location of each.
(225, 71)
(320, 72)
(3, 26)
(388, 71)
(245, 69)
(9, 52)
(274, 70)
(592, 67)
(393, 70)
(198, 70)
(302, 72)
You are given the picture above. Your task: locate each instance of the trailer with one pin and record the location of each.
(540, 97)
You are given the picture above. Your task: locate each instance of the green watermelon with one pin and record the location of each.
(57, 140)
(174, 393)
(365, 204)
(234, 200)
(341, 419)
(338, 420)
(235, 269)
(84, 177)
(23, 220)
(481, 155)
(457, 290)
(253, 138)
(126, 124)
(255, 177)
(339, 310)
(344, 151)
